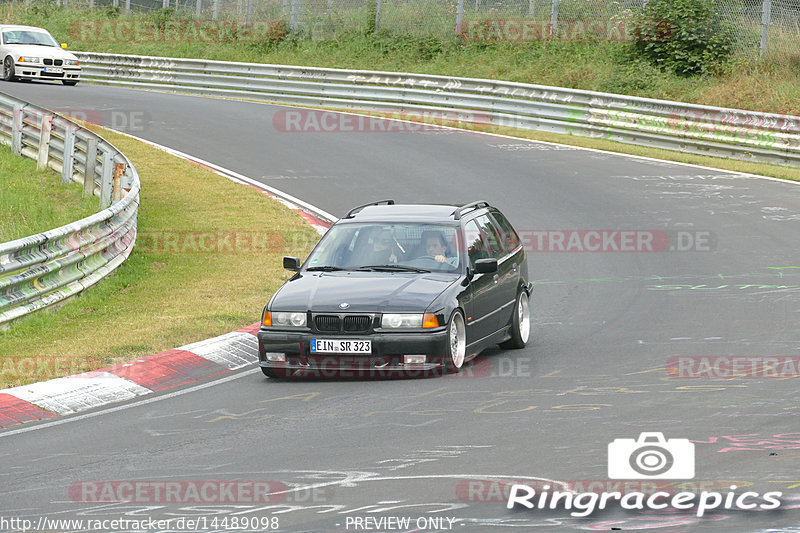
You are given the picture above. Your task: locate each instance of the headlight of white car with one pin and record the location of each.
(29, 59)
(72, 62)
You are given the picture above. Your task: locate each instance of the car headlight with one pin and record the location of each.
(29, 59)
(72, 62)
(284, 319)
(401, 320)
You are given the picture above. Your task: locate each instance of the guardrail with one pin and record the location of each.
(731, 133)
(47, 268)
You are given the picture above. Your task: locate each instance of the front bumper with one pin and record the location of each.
(37, 72)
(386, 359)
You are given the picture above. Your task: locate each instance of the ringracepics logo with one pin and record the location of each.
(651, 456)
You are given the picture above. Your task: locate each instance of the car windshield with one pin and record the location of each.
(29, 37)
(397, 247)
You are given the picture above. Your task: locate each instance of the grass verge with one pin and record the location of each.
(33, 201)
(772, 84)
(207, 259)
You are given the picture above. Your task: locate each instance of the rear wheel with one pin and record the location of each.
(8, 69)
(520, 323)
(456, 343)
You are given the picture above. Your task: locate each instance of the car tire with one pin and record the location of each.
(71, 83)
(269, 372)
(520, 323)
(8, 69)
(456, 343)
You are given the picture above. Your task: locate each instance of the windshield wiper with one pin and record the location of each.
(392, 268)
(326, 268)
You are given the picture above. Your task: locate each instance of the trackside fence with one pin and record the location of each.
(720, 132)
(47, 268)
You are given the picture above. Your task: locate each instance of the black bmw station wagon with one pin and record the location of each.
(399, 290)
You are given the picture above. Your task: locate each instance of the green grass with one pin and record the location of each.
(34, 201)
(771, 85)
(162, 297)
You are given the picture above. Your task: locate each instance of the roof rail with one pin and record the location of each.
(469, 207)
(352, 212)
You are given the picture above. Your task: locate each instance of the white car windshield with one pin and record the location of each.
(29, 37)
(388, 247)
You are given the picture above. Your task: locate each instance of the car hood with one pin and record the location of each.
(365, 292)
(39, 51)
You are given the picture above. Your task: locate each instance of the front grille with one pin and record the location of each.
(53, 74)
(50, 62)
(327, 322)
(357, 323)
(343, 323)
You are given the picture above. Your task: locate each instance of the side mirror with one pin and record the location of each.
(486, 266)
(291, 263)
(63, 46)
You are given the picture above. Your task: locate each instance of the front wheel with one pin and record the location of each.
(520, 323)
(269, 372)
(8, 69)
(456, 343)
(69, 82)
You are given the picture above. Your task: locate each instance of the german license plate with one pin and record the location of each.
(54, 70)
(340, 346)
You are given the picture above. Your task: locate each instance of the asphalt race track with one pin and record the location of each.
(340, 455)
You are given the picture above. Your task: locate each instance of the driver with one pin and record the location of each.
(435, 246)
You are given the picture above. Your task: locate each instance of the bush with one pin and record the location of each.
(683, 36)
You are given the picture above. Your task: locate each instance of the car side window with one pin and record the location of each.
(494, 248)
(508, 237)
(476, 247)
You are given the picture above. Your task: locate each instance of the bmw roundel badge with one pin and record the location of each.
(344, 305)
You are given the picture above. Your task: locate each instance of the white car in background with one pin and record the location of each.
(31, 53)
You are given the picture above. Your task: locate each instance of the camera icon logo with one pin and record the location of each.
(651, 456)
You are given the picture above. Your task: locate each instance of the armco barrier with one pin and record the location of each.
(747, 135)
(47, 268)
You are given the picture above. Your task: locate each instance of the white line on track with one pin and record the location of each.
(499, 135)
(128, 405)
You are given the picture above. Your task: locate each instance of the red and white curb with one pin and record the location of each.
(155, 373)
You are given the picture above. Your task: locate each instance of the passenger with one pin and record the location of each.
(383, 249)
(435, 246)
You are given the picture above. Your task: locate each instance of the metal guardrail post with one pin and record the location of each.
(91, 165)
(459, 18)
(44, 141)
(766, 16)
(293, 15)
(116, 192)
(554, 19)
(106, 179)
(68, 162)
(16, 129)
